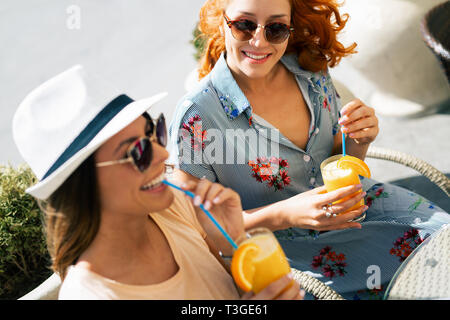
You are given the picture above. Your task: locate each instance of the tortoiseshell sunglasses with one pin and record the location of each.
(244, 30)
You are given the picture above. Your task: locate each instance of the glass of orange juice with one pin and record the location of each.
(338, 172)
(258, 261)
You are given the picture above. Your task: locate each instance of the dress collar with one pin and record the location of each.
(233, 100)
(290, 61)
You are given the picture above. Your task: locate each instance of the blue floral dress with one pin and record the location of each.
(215, 134)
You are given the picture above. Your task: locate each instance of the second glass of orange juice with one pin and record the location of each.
(258, 261)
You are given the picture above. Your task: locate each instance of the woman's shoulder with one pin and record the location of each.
(201, 103)
(81, 283)
(200, 95)
(290, 61)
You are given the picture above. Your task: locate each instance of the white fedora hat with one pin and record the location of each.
(63, 121)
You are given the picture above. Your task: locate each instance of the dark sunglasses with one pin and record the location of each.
(244, 30)
(140, 152)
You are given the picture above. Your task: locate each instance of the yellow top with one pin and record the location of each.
(200, 275)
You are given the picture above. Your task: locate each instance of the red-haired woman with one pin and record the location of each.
(263, 118)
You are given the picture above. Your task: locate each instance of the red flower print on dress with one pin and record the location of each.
(194, 127)
(272, 171)
(332, 264)
(405, 245)
(375, 192)
(325, 104)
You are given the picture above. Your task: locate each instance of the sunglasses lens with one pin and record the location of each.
(277, 32)
(243, 30)
(149, 128)
(142, 154)
(161, 131)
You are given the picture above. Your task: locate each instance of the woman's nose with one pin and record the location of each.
(160, 154)
(258, 39)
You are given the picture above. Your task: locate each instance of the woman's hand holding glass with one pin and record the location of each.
(312, 209)
(278, 290)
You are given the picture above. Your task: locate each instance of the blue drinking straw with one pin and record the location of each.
(190, 194)
(343, 144)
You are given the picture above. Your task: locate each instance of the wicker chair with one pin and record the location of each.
(49, 289)
(435, 28)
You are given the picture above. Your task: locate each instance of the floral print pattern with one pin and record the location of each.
(273, 171)
(323, 83)
(332, 264)
(228, 107)
(375, 192)
(405, 244)
(313, 233)
(250, 121)
(197, 135)
(291, 233)
(415, 205)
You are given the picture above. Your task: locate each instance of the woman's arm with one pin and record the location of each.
(304, 210)
(268, 216)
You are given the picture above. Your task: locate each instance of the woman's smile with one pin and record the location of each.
(255, 57)
(155, 185)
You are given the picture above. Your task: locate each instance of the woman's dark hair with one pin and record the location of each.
(72, 216)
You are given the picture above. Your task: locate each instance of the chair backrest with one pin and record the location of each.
(435, 27)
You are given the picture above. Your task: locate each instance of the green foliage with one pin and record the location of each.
(199, 42)
(24, 259)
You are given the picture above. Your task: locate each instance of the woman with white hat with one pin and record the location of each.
(114, 230)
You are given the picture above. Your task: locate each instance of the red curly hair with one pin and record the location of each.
(316, 26)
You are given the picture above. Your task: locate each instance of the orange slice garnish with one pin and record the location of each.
(356, 164)
(242, 265)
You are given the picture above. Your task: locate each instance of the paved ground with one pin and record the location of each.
(143, 47)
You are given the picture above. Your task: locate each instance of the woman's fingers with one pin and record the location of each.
(357, 116)
(199, 188)
(247, 295)
(340, 207)
(359, 121)
(209, 193)
(343, 220)
(331, 216)
(214, 190)
(275, 289)
(365, 133)
(293, 292)
(350, 107)
(338, 194)
(318, 190)
(225, 194)
(361, 124)
(358, 111)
